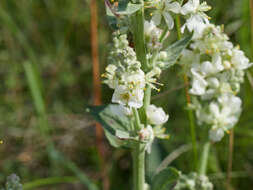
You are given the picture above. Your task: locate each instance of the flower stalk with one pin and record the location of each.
(204, 158)
(138, 152)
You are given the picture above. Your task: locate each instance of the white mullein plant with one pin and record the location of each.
(136, 60)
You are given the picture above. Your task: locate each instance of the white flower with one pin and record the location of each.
(163, 10)
(216, 134)
(195, 23)
(199, 84)
(133, 98)
(152, 34)
(239, 60)
(231, 103)
(150, 29)
(194, 6)
(134, 80)
(226, 114)
(147, 135)
(209, 68)
(156, 116)
(197, 19)
(151, 79)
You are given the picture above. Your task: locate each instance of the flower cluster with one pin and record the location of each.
(193, 181)
(154, 38)
(216, 70)
(124, 74)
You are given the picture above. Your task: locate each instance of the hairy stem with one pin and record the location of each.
(204, 158)
(138, 151)
(188, 100)
(138, 154)
(138, 36)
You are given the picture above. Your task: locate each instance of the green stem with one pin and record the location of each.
(138, 36)
(139, 166)
(138, 151)
(193, 138)
(138, 154)
(147, 97)
(188, 100)
(204, 158)
(178, 24)
(137, 120)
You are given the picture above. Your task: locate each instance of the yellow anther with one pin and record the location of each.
(103, 75)
(1, 141)
(227, 131)
(158, 90)
(151, 14)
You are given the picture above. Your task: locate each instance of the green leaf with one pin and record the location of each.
(129, 8)
(113, 140)
(117, 126)
(174, 51)
(165, 180)
(114, 14)
(122, 134)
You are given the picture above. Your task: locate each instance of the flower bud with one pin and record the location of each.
(216, 134)
(146, 134)
(213, 82)
(156, 116)
(163, 55)
(226, 64)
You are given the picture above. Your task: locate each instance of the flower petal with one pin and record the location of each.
(156, 18)
(173, 7)
(169, 20)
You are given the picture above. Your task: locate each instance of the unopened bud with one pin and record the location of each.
(227, 64)
(146, 134)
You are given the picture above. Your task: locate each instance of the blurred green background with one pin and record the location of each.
(46, 81)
